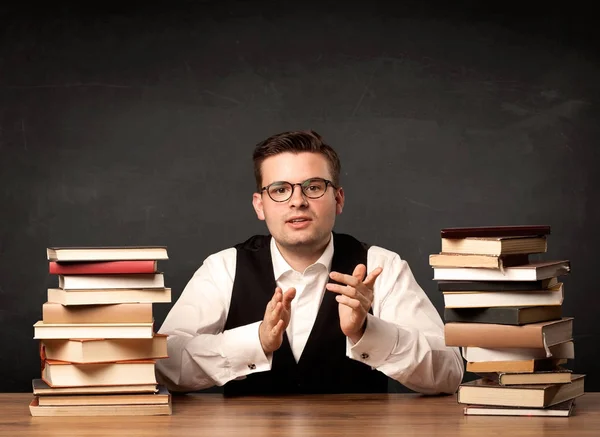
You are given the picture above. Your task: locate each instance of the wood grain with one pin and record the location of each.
(327, 415)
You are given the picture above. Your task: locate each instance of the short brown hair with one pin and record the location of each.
(295, 142)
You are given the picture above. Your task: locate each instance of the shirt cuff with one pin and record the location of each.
(243, 351)
(376, 344)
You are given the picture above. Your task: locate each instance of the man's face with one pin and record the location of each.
(299, 223)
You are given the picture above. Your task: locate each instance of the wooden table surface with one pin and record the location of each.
(329, 415)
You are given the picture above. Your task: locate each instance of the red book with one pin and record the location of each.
(102, 267)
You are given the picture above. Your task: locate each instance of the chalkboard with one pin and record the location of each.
(134, 124)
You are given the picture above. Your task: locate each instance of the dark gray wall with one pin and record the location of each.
(136, 126)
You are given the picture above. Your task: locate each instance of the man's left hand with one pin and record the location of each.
(355, 299)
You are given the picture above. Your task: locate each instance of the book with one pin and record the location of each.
(98, 350)
(495, 246)
(529, 272)
(111, 313)
(556, 376)
(521, 366)
(480, 261)
(485, 392)
(107, 253)
(100, 410)
(160, 397)
(533, 335)
(92, 330)
(65, 374)
(509, 315)
(88, 297)
(473, 299)
(492, 286)
(562, 409)
(96, 282)
(496, 231)
(560, 350)
(40, 388)
(102, 267)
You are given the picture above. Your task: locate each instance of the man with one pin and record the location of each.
(304, 309)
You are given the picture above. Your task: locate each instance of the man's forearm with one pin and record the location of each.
(202, 361)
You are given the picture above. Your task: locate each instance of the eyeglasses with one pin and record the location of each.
(281, 191)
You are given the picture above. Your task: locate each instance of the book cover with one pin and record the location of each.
(503, 315)
(102, 267)
(496, 285)
(496, 231)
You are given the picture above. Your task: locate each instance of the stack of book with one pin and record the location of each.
(98, 346)
(505, 312)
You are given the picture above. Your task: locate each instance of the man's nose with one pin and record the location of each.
(298, 198)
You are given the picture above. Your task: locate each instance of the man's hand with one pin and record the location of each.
(276, 320)
(355, 299)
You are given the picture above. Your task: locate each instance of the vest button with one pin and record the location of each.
(364, 355)
(251, 366)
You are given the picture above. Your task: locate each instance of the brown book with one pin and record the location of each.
(557, 376)
(40, 388)
(64, 374)
(496, 231)
(113, 313)
(498, 262)
(486, 392)
(161, 397)
(100, 410)
(100, 350)
(562, 409)
(533, 335)
(523, 366)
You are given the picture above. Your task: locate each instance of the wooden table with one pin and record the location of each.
(329, 415)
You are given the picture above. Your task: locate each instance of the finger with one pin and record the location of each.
(342, 289)
(345, 279)
(274, 299)
(288, 297)
(370, 281)
(276, 313)
(277, 329)
(359, 272)
(273, 316)
(352, 293)
(352, 303)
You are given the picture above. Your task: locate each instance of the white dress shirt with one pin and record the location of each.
(404, 337)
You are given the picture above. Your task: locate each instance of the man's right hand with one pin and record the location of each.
(276, 320)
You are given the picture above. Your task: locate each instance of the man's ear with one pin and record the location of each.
(258, 206)
(339, 201)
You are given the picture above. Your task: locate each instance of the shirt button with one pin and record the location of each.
(251, 366)
(364, 355)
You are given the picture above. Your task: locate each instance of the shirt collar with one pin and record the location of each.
(280, 265)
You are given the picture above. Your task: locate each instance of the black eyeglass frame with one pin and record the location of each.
(301, 185)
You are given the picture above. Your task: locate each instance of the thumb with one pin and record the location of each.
(359, 272)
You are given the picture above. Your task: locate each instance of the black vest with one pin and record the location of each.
(323, 366)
